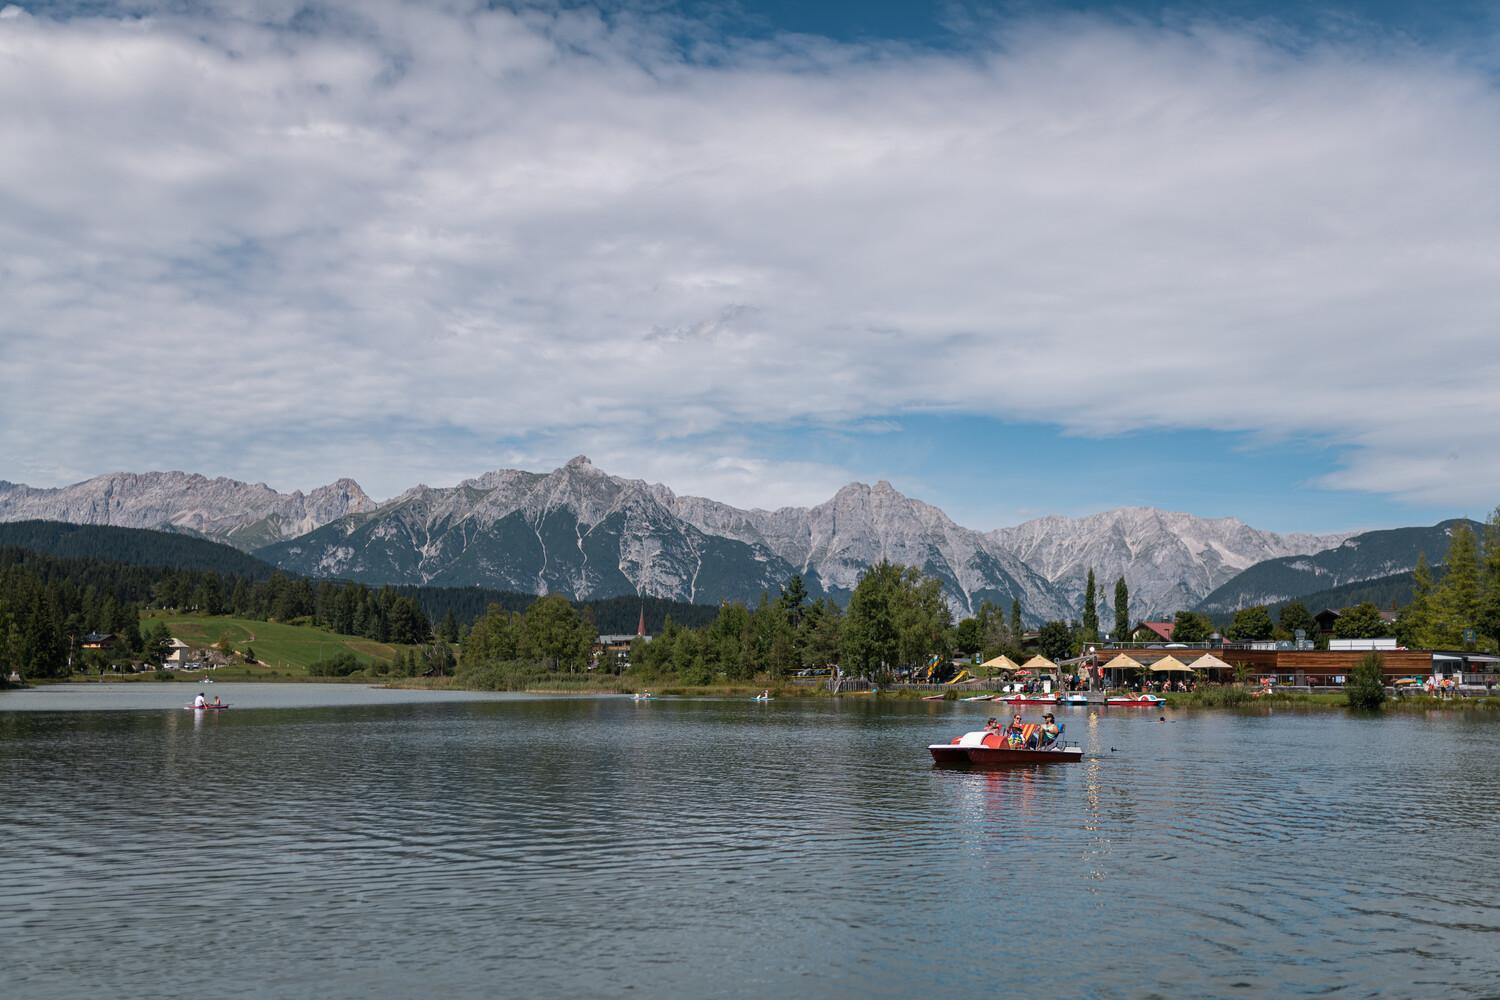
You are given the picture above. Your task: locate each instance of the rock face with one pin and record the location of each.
(583, 533)
(1169, 560)
(832, 543)
(575, 531)
(243, 514)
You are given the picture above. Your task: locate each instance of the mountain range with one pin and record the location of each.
(584, 533)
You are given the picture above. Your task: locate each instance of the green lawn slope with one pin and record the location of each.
(287, 649)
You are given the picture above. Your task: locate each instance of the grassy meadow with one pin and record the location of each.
(280, 649)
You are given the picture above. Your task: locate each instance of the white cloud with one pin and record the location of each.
(393, 240)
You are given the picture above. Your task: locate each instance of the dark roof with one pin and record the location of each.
(97, 637)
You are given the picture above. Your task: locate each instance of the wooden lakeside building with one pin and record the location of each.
(1319, 667)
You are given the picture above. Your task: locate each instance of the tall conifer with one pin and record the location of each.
(1090, 611)
(1122, 610)
(1456, 602)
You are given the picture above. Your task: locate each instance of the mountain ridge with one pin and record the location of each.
(246, 515)
(1367, 556)
(580, 531)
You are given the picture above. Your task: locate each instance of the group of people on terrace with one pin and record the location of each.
(1165, 685)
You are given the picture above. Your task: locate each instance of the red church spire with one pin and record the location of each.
(640, 628)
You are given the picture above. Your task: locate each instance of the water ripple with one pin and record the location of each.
(718, 849)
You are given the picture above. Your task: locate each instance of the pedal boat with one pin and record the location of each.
(988, 749)
(1137, 701)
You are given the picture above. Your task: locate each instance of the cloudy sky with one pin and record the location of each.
(1016, 260)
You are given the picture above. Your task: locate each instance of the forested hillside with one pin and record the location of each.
(134, 546)
(1386, 592)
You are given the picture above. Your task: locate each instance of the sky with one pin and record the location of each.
(1238, 259)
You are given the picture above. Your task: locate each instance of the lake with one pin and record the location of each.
(336, 840)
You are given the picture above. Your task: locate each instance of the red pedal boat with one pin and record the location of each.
(989, 748)
(1136, 701)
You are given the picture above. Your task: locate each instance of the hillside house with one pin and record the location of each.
(97, 640)
(1328, 618)
(1153, 631)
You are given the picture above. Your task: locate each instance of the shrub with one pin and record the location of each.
(337, 665)
(165, 675)
(1220, 696)
(1366, 687)
(501, 675)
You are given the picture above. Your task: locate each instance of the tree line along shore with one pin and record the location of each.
(895, 623)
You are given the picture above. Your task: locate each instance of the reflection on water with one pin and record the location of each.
(701, 848)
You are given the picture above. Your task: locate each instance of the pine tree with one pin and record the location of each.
(1414, 625)
(1015, 621)
(1489, 607)
(1090, 611)
(1122, 610)
(793, 597)
(1456, 602)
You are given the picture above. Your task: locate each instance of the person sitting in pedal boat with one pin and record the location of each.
(1050, 730)
(200, 701)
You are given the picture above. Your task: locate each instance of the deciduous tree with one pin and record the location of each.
(1362, 621)
(1294, 615)
(1251, 625)
(1192, 627)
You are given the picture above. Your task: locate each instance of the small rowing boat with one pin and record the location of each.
(979, 697)
(643, 696)
(206, 708)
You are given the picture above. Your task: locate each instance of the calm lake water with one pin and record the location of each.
(341, 841)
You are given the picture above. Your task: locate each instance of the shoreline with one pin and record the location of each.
(1214, 699)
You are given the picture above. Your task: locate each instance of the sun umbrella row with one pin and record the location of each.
(1168, 664)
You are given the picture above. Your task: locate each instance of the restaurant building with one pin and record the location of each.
(1321, 667)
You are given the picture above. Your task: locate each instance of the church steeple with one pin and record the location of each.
(640, 628)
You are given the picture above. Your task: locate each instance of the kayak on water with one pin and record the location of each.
(205, 708)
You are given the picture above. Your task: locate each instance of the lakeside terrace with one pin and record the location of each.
(1318, 667)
